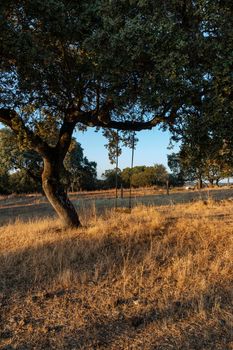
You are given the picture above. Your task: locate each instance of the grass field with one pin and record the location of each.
(158, 278)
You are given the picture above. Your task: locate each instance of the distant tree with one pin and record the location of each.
(180, 169)
(161, 174)
(15, 157)
(113, 145)
(205, 128)
(25, 166)
(125, 176)
(4, 182)
(109, 178)
(141, 176)
(174, 164)
(175, 180)
(203, 154)
(128, 173)
(21, 182)
(82, 172)
(139, 179)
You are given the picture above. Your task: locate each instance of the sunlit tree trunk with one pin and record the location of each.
(56, 194)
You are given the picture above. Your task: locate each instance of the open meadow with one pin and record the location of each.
(158, 278)
(34, 206)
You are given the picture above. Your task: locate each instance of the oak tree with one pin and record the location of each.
(123, 65)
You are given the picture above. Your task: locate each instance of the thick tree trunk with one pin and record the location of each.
(55, 192)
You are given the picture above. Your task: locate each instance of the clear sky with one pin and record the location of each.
(151, 149)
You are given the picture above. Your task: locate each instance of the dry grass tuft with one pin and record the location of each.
(153, 279)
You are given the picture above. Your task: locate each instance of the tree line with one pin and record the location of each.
(206, 151)
(141, 176)
(199, 159)
(21, 170)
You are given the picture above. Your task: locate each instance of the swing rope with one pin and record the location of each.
(130, 182)
(116, 169)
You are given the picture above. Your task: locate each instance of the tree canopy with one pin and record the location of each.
(205, 154)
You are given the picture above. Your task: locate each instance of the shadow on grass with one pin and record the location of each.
(34, 269)
(142, 330)
(177, 326)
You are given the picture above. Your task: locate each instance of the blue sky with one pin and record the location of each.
(151, 148)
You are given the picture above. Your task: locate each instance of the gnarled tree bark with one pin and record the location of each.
(56, 194)
(53, 158)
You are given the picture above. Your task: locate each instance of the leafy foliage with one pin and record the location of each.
(82, 172)
(146, 57)
(15, 157)
(138, 176)
(21, 168)
(204, 154)
(109, 178)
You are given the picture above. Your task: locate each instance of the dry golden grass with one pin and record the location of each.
(153, 279)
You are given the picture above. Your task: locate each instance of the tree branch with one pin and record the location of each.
(11, 119)
(101, 117)
(65, 137)
(96, 120)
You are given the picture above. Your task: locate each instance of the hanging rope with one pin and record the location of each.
(116, 169)
(130, 182)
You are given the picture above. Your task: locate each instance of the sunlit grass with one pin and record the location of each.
(158, 278)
